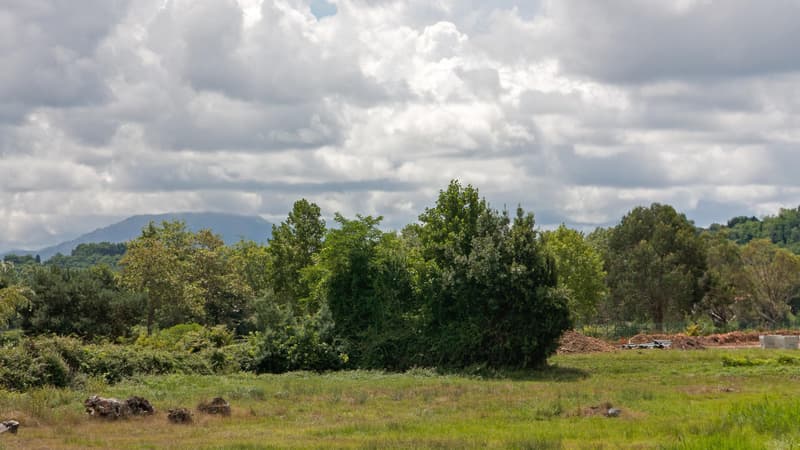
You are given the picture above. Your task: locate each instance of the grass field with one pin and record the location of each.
(703, 399)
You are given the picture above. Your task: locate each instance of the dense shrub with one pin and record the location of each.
(191, 337)
(38, 362)
(63, 361)
(294, 343)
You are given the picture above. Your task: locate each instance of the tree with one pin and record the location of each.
(90, 254)
(580, 271)
(782, 229)
(13, 295)
(155, 265)
(655, 265)
(187, 277)
(254, 262)
(85, 302)
(773, 278)
(346, 258)
(489, 288)
(723, 280)
(364, 277)
(217, 273)
(291, 248)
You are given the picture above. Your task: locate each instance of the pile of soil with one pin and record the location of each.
(573, 342)
(683, 342)
(732, 338)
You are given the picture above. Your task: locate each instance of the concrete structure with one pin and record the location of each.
(779, 341)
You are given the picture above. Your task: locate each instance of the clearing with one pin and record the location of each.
(712, 398)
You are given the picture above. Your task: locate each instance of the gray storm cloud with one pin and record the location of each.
(576, 110)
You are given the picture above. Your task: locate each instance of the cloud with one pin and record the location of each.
(576, 110)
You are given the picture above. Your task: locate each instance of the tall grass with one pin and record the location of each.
(668, 399)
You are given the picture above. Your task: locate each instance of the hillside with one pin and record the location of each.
(231, 227)
(782, 229)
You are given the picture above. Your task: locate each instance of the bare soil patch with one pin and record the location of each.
(573, 342)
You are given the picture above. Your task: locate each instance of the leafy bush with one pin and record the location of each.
(63, 361)
(191, 337)
(115, 363)
(294, 343)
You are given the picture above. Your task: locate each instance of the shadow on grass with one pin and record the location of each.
(547, 373)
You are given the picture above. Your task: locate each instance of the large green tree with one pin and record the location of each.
(90, 254)
(580, 271)
(84, 302)
(13, 294)
(772, 277)
(723, 281)
(656, 262)
(489, 287)
(292, 247)
(365, 277)
(186, 277)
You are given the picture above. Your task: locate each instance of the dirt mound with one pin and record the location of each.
(732, 338)
(683, 342)
(574, 342)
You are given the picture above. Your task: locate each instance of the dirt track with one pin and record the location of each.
(574, 342)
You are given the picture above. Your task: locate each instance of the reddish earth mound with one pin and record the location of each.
(732, 338)
(683, 342)
(574, 342)
(743, 338)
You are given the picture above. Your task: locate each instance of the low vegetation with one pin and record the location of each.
(667, 399)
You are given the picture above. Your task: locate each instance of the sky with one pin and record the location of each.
(576, 110)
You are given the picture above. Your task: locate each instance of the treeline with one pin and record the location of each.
(782, 230)
(464, 286)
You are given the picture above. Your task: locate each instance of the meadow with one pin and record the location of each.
(699, 399)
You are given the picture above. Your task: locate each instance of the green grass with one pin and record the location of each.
(669, 400)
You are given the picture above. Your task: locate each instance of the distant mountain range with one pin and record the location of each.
(231, 227)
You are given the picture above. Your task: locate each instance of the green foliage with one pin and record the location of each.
(38, 362)
(254, 263)
(782, 229)
(13, 295)
(772, 278)
(295, 342)
(655, 263)
(21, 260)
(87, 255)
(190, 337)
(186, 277)
(291, 248)
(117, 362)
(488, 286)
(365, 278)
(580, 271)
(85, 302)
(62, 361)
(747, 361)
(722, 281)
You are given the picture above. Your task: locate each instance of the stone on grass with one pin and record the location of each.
(9, 425)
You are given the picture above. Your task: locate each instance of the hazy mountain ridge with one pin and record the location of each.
(231, 227)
